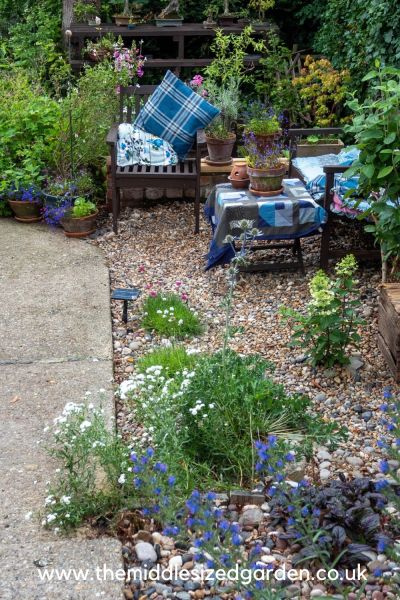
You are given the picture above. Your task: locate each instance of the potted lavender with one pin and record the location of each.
(264, 166)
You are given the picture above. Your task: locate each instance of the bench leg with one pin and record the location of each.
(116, 203)
(197, 208)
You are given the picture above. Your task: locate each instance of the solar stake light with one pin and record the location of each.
(125, 294)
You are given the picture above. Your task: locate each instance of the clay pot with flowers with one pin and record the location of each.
(265, 168)
(220, 136)
(19, 188)
(263, 124)
(102, 48)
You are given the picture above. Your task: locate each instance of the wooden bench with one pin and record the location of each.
(327, 252)
(184, 175)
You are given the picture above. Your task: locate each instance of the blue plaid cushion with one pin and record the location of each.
(174, 113)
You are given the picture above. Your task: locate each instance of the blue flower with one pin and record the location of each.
(138, 482)
(381, 545)
(171, 480)
(236, 539)
(387, 393)
(304, 511)
(381, 484)
(384, 466)
(161, 467)
(150, 452)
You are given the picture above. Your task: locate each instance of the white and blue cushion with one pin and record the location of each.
(138, 147)
(174, 112)
(311, 169)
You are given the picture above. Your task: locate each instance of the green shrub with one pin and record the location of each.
(168, 315)
(330, 324)
(171, 359)
(28, 119)
(93, 105)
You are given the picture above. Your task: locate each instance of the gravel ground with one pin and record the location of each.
(155, 249)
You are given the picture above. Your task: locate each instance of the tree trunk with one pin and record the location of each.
(67, 12)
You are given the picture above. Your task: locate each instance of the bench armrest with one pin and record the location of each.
(112, 135)
(335, 168)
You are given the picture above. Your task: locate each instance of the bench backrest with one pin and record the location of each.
(131, 99)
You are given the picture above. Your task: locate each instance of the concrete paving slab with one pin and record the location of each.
(72, 570)
(55, 344)
(56, 291)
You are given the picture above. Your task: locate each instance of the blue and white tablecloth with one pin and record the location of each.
(290, 215)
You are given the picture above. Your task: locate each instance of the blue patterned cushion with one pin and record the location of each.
(137, 147)
(175, 113)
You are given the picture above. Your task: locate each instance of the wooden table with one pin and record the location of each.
(179, 35)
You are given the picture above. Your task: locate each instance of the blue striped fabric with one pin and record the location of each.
(175, 113)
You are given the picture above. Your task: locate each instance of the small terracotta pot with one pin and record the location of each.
(239, 171)
(79, 227)
(220, 151)
(266, 180)
(26, 212)
(239, 184)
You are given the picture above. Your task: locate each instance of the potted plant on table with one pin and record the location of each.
(265, 168)
(263, 124)
(79, 220)
(220, 135)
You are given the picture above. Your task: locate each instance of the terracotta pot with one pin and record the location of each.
(239, 172)
(226, 20)
(26, 212)
(239, 184)
(265, 141)
(220, 151)
(121, 20)
(266, 180)
(79, 227)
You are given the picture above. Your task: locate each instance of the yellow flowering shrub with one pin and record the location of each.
(322, 90)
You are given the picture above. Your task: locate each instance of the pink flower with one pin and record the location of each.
(148, 286)
(178, 283)
(141, 269)
(184, 297)
(197, 80)
(153, 293)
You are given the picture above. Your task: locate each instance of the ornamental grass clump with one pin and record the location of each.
(171, 358)
(330, 323)
(168, 315)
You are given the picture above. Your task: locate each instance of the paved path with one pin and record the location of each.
(55, 344)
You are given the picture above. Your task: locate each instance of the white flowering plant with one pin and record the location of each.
(203, 421)
(93, 466)
(331, 323)
(169, 315)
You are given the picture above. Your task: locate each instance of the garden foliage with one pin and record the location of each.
(331, 323)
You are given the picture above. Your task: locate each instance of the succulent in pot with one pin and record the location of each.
(80, 219)
(265, 168)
